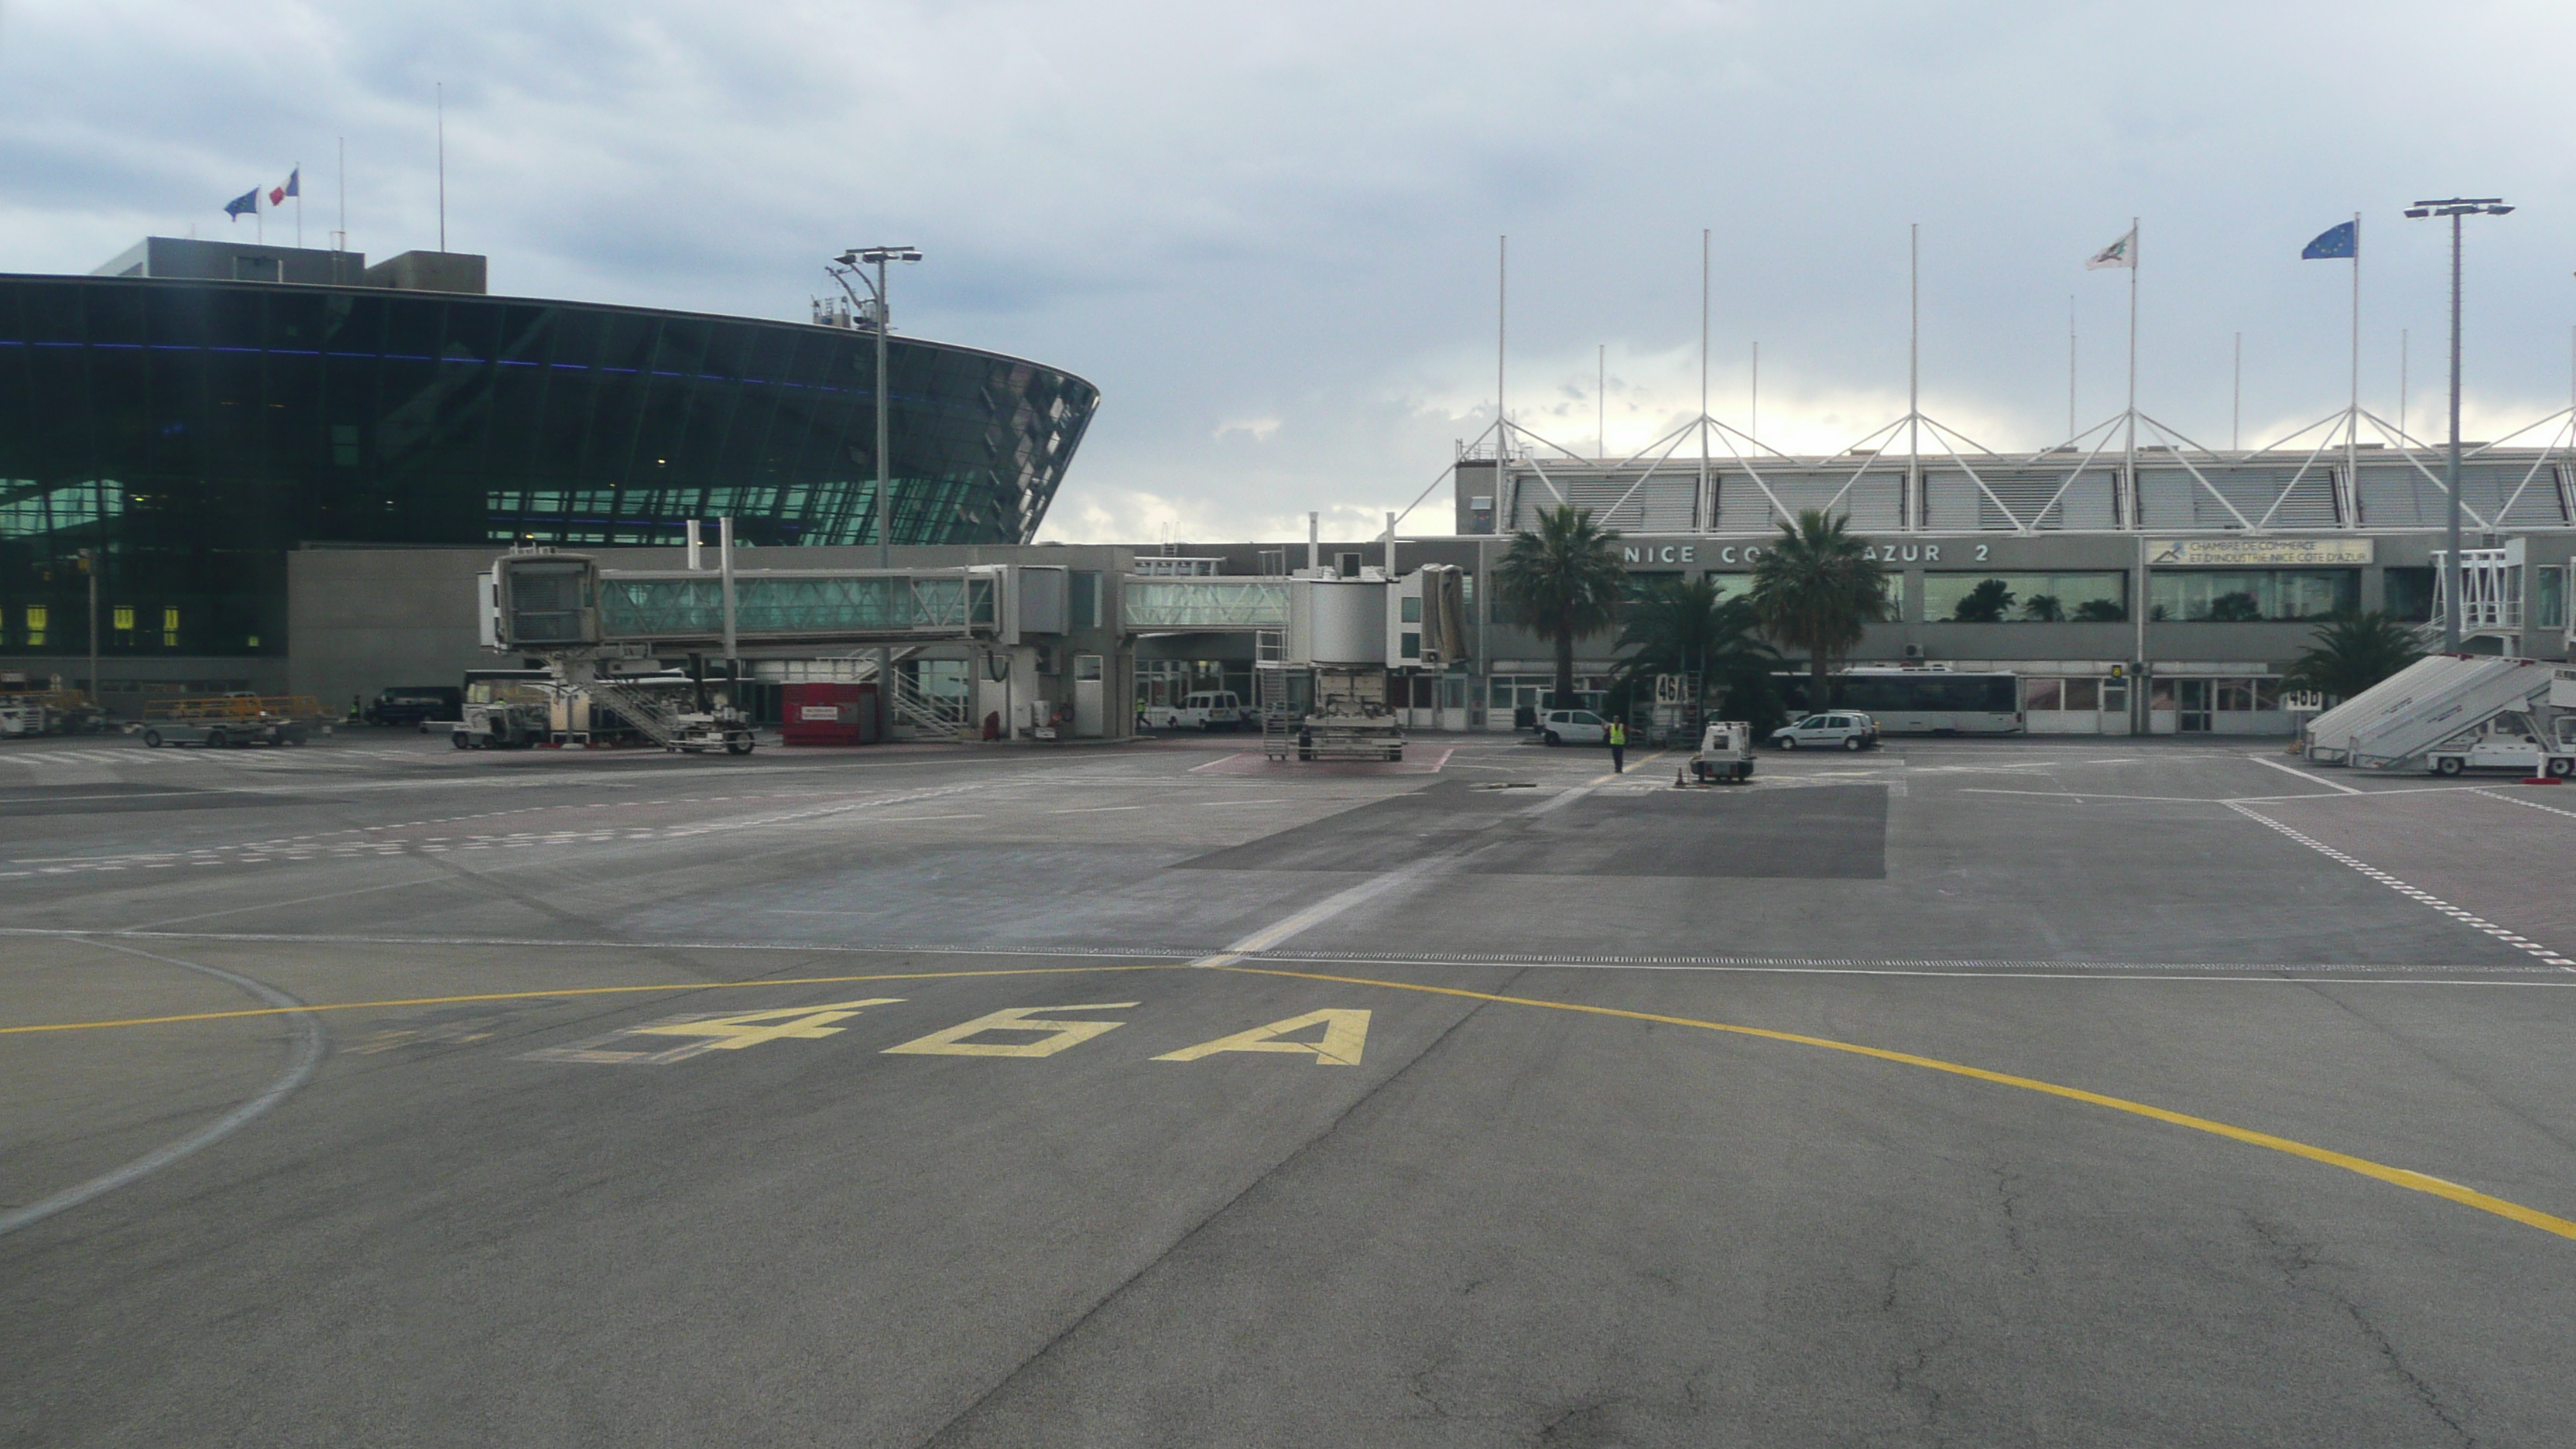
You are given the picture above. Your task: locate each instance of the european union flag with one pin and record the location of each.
(2342, 240)
(244, 204)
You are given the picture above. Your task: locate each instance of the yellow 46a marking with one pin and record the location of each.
(1056, 1035)
(1345, 1037)
(751, 1028)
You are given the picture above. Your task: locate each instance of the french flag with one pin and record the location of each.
(277, 194)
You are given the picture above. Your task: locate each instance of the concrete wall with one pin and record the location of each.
(362, 619)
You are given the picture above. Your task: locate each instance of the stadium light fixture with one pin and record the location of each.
(856, 259)
(2453, 575)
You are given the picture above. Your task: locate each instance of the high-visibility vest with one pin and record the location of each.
(1618, 733)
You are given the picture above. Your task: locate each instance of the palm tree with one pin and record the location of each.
(1562, 579)
(1683, 627)
(1816, 589)
(2353, 653)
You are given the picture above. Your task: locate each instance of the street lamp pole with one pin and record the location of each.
(882, 318)
(89, 566)
(2454, 576)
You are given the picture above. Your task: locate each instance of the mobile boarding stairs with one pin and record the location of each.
(2453, 712)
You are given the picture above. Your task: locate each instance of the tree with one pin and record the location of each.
(1562, 579)
(2353, 653)
(2239, 608)
(1816, 589)
(2044, 608)
(1683, 627)
(2100, 611)
(1984, 604)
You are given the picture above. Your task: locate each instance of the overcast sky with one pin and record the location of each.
(1268, 233)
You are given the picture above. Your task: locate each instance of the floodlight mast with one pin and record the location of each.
(2453, 575)
(881, 320)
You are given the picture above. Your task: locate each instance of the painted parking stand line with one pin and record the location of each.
(2526, 804)
(2465, 918)
(2397, 1176)
(304, 1057)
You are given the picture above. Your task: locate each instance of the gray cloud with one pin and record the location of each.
(1269, 234)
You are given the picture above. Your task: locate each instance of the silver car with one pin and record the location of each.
(1847, 729)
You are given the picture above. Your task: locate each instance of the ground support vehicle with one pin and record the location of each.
(2542, 747)
(223, 721)
(1206, 709)
(1347, 718)
(1834, 729)
(28, 708)
(416, 705)
(1724, 757)
(505, 709)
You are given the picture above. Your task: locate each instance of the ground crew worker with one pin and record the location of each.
(1618, 748)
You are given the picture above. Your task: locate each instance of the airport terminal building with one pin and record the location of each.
(287, 468)
(195, 412)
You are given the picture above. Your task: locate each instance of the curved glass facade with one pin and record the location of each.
(192, 433)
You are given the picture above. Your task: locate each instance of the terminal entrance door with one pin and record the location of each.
(1089, 721)
(2195, 705)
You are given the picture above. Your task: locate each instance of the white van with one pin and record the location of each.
(1206, 709)
(1572, 727)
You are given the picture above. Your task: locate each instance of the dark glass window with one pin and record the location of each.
(194, 433)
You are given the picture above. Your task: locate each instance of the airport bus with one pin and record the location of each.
(1918, 701)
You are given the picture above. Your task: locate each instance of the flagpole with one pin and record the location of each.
(1502, 318)
(2352, 418)
(1702, 501)
(2129, 447)
(442, 169)
(1753, 403)
(298, 174)
(2070, 367)
(2236, 401)
(1913, 371)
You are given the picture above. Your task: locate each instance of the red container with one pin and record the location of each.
(828, 714)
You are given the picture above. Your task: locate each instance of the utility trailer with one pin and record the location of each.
(224, 721)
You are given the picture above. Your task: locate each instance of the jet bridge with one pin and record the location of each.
(564, 603)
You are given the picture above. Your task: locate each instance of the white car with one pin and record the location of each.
(1846, 729)
(1206, 709)
(1572, 727)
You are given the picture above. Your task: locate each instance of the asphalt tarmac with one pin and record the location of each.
(2025, 1092)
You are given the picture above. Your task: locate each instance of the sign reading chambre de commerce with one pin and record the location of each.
(2259, 552)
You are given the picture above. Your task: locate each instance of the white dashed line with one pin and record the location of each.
(2465, 918)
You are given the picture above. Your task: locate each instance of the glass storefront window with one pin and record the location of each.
(2084, 693)
(2053, 598)
(2408, 594)
(2248, 596)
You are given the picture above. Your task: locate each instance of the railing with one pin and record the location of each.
(652, 716)
(928, 715)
